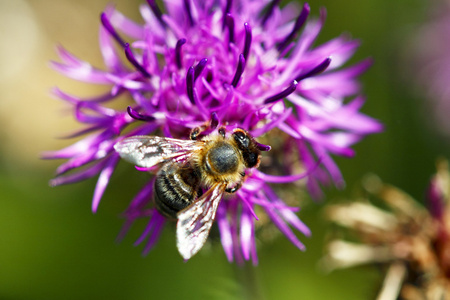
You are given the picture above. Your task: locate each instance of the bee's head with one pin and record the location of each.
(249, 147)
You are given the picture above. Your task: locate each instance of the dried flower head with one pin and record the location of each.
(409, 240)
(247, 64)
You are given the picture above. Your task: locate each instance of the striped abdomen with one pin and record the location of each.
(175, 188)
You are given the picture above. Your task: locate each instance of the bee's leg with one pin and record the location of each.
(237, 186)
(195, 133)
(222, 131)
(234, 188)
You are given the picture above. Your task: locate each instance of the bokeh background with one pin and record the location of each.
(53, 247)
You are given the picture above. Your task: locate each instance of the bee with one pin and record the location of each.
(193, 175)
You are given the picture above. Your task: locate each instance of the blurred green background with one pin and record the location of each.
(53, 247)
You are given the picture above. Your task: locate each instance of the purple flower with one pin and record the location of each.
(431, 64)
(246, 64)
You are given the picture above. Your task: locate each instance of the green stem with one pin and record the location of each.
(247, 279)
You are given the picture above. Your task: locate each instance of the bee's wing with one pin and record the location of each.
(147, 151)
(195, 221)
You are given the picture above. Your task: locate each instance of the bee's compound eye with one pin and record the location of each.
(223, 159)
(251, 159)
(242, 139)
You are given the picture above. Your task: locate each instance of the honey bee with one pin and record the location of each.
(193, 175)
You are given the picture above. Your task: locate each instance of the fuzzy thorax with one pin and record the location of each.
(219, 161)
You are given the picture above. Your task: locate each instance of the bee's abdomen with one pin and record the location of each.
(175, 188)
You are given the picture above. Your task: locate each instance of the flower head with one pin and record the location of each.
(432, 64)
(410, 241)
(247, 64)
